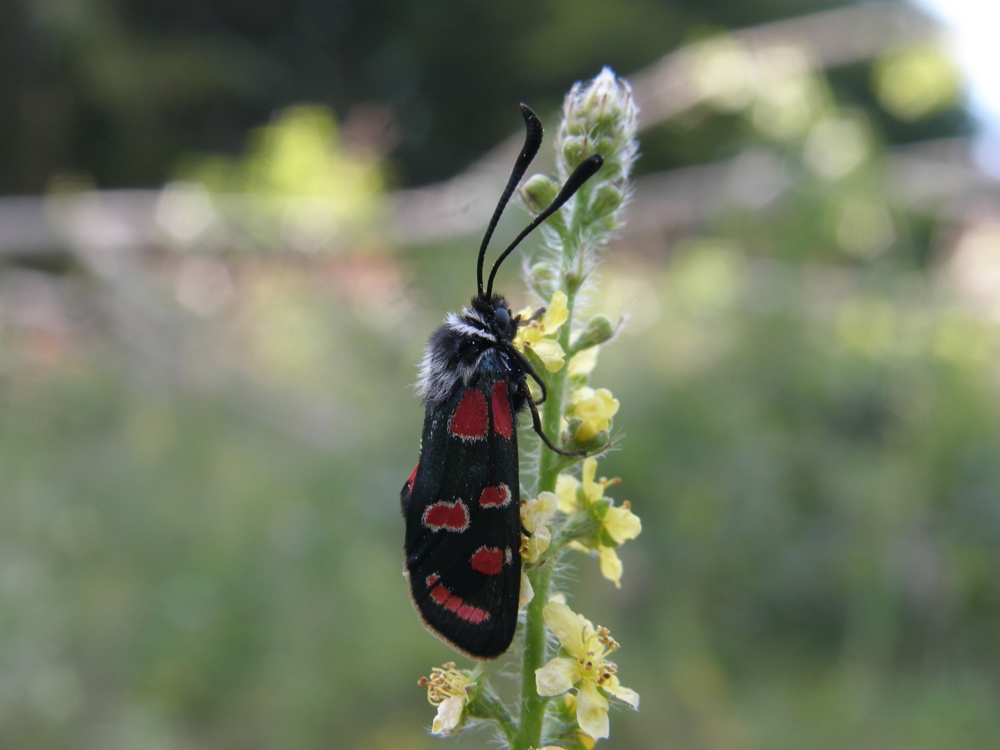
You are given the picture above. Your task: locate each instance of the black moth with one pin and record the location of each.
(462, 501)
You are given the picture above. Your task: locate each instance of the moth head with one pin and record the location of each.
(496, 314)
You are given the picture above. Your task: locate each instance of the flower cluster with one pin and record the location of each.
(536, 515)
(538, 337)
(583, 667)
(613, 524)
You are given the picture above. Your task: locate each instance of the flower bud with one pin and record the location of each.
(603, 114)
(607, 199)
(543, 273)
(598, 330)
(574, 149)
(538, 193)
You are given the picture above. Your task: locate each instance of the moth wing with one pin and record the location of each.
(463, 524)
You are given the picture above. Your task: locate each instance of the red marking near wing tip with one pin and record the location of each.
(495, 497)
(503, 423)
(456, 604)
(475, 615)
(432, 579)
(470, 420)
(487, 560)
(448, 516)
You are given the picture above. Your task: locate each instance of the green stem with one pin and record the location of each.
(532, 704)
(532, 718)
(487, 706)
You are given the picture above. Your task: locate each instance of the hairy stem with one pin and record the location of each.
(488, 706)
(535, 650)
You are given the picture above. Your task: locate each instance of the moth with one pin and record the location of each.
(461, 503)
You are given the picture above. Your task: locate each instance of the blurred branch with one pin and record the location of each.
(937, 177)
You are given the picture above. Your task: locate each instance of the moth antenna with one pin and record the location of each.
(532, 142)
(587, 169)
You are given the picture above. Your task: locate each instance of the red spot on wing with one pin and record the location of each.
(448, 516)
(440, 594)
(495, 497)
(470, 420)
(456, 604)
(487, 560)
(503, 422)
(413, 477)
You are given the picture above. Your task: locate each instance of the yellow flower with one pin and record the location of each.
(585, 668)
(594, 409)
(448, 689)
(539, 335)
(568, 488)
(567, 714)
(621, 523)
(617, 523)
(536, 515)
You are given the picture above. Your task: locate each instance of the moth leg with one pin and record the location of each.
(536, 424)
(530, 371)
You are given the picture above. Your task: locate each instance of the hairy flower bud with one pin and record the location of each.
(538, 192)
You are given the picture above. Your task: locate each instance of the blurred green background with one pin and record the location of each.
(226, 231)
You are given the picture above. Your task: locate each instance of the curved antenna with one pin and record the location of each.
(532, 142)
(586, 169)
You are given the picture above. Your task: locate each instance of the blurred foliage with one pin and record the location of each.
(916, 81)
(298, 178)
(815, 455)
(818, 455)
(118, 88)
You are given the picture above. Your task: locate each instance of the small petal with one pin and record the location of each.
(571, 629)
(621, 523)
(556, 313)
(557, 676)
(621, 692)
(539, 512)
(549, 351)
(592, 710)
(534, 546)
(449, 716)
(536, 514)
(566, 489)
(593, 490)
(527, 592)
(611, 565)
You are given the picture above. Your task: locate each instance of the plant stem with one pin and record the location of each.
(532, 717)
(489, 707)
